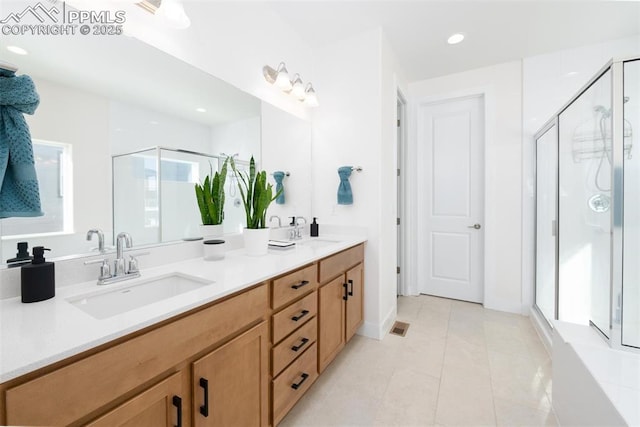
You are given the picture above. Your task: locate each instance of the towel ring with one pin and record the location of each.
(287, 173)
(357, 168)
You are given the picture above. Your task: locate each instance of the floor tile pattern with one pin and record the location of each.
(458, 365)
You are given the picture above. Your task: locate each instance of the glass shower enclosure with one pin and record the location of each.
(153, 193)
(588, 208)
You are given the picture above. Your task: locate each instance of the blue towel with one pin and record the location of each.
(345, 196)
(279, 176)
(19, 195)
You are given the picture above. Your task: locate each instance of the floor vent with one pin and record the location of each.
(399, 328)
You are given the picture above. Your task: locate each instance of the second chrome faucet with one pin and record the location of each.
(122, 270)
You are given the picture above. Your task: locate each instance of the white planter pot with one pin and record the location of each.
(256, 241)
(211, 231)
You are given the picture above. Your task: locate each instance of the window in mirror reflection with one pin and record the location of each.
(54, 170)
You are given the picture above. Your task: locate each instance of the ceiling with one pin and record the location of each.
(496, 31)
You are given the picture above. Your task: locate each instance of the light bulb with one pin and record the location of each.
(310, 97)
(172, 14)
(298, 88)
(455, 38)
(282, 80)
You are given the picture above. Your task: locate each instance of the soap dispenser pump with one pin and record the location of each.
(314, 228)
(38, 279)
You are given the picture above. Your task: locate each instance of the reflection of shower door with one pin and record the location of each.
(452, 134)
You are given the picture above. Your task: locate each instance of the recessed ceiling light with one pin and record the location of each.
(153, 122)
(456, 38)
(17, 50)
(201, 110)
(571, 73)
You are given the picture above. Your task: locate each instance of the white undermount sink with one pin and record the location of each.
(315, 242)
(106, 303)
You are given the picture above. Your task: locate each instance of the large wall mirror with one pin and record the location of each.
(117, 104)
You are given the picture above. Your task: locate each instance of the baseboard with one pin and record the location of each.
(542, 328)
(377, 331)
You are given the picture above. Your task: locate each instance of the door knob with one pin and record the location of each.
(476, 226)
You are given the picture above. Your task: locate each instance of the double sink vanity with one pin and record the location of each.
(234, 342)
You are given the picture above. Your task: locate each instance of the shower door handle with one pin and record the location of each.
(475, 226)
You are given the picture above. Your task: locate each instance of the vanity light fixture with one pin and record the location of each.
(17, 50)
(280, 78)
(455, 38)
(170, 12)
(310, 97)
(201, 110)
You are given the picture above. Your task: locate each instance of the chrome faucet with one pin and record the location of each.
(272, 217)
(119, 264)
(295, 233)
(100, 234)
(122, 270)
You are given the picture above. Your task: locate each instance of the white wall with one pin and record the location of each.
(501, 86)
(548, 82)
(241, 137)
(355, 126)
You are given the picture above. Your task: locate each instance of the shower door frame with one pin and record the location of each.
(617, 193)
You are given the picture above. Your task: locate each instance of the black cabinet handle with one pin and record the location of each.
(351, 283)
(346, 293)
(299, 346)
(204, 409)
(177, 402)
(301, 284)
(300, 316)
(296, 386)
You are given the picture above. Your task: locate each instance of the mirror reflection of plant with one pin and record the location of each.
(210, 196)
(257, 194)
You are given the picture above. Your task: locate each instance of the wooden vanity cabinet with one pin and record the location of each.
(294, 353)
(340, 302)
(231, 384)
(132, 380)
(162, 405)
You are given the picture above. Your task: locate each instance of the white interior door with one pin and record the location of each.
(452, 135)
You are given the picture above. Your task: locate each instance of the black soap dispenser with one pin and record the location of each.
(314, 228)
(38, 279)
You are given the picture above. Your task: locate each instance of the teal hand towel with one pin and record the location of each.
(279, 177)
(19, 195)
(345, 196)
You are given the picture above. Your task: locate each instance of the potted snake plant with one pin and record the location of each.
(210, 198)
(257, 195)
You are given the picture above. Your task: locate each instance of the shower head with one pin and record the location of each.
(600, 109)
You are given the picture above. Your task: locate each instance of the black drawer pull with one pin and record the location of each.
(351, 283)
(300, 316)
(204, 409)
(177, 402)
(297, 386)
(346, 293)
(301, 284)
(299, 346)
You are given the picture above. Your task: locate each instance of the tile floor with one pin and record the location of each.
(458, 365)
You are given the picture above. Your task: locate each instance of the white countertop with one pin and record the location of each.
(38, 334)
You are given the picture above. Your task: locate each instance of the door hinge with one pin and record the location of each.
(398, 122)
(397, 221)
(397, 270)
(398, 172)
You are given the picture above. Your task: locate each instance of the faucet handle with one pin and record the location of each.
(105, 268)
(133, 262)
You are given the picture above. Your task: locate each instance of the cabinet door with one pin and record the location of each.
(231, 384)
(355, 301)
(161, 405)
(331, 321)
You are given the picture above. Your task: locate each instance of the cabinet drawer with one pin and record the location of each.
(339, 263)
(294, 345)
(293, 383)
(70, 393)
(293, 285)
(294, 316)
